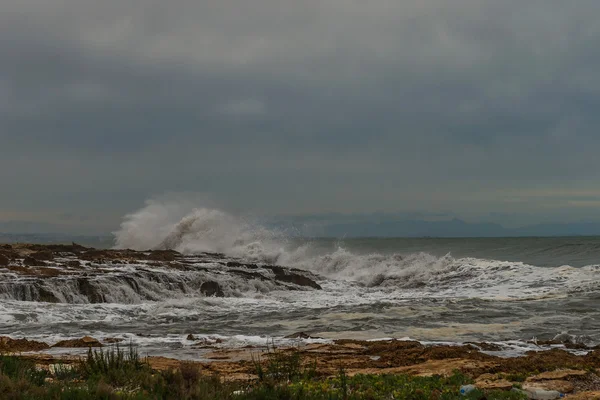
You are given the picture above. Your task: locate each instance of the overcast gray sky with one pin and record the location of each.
(485, 109)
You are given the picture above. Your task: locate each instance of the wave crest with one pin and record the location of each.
(161, 225)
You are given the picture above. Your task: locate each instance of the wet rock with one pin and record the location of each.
(74, 264)
(233, 264)
(568, 344)
(293, 276)
(4, 261)
(20, 345)
(66, 248)
(10, 254)
(43, 255)
(47, 296)
(191, 337)
(113, 340)
(32, 262)
(300, 335)
(486, 346)
(248, 275)
(86, 341)
(163, 255)
(93, 255)
(89, 291)
(206, 342)
(211, 288)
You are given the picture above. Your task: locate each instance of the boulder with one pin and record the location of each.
(85, 341)
(3, 260)
(20, 345)
(293, 276)
(211, 288)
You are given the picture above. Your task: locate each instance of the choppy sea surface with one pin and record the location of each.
(502, 290)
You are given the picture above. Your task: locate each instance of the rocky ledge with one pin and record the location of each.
(78, 274)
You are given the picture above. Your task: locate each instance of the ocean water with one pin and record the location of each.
(504, 290)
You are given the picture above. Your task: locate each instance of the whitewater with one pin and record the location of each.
(506, 291)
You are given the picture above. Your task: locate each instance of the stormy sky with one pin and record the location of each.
(482, 109)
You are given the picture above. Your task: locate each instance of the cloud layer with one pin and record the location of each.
(301, 106)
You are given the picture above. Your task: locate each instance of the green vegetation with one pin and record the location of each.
(121, 375)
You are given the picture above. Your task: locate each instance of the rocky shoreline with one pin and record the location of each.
(77, 274)
(577, 376)
(74, 274)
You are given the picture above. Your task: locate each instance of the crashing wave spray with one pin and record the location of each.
(166, 225)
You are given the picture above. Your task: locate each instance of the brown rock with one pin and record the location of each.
(43, 255)
(486, 346)
(20, 345)
(191, 337)
(32, 262)
(558, 385)
(492, 382)
(51, 272)
(501, 384)
(162, 255)
(74, 264)
(585, 396)
(94, 254)
(558, 375)
(85, 341)
(3, 260)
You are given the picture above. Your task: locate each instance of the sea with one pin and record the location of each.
(514, 292)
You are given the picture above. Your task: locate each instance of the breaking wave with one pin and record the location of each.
(164, 225)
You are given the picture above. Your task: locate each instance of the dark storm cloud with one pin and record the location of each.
(304, 106)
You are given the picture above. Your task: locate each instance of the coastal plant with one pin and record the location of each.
(16, 368)
(116, 366)
(121, 375)
(64, 372)
(283, 366)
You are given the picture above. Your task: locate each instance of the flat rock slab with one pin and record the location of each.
(430, 368)
(558, 385)
(584, 396)
(558, 375)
